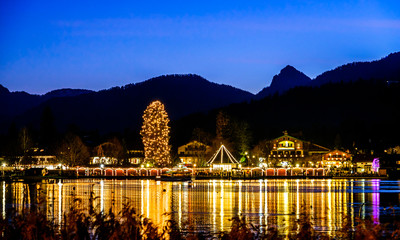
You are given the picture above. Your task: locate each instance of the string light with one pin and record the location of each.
(155, 135)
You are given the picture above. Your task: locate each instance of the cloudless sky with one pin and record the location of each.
(47, 45)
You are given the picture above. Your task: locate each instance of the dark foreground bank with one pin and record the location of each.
(81, 223)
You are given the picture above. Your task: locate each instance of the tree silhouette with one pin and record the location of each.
(112, 148)
(73, 151)
(25, 140)
(48, 132)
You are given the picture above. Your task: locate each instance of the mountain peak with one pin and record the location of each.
(289, 77)
(289, 68)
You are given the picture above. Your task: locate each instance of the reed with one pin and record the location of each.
(87, 224)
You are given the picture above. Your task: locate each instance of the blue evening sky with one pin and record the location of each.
(46, 45)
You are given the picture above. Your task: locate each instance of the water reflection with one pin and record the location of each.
(210, 204)
(375, 200)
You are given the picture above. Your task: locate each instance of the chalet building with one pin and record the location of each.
(363, 163)
(194, 153)
(337, 158)
(290, 151)
(38, 157)
(135, 157)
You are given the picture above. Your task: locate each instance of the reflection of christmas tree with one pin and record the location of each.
(155, 134)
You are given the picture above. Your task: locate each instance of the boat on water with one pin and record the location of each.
(174, 177)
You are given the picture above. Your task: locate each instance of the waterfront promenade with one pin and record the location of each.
(176, 173)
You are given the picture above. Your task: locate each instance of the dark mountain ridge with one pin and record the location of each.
(3, 90)
(385, 69)
(120, 108)
(359, 114)
(16, 103)
(65, 92)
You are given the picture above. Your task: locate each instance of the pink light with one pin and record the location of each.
(375, 165)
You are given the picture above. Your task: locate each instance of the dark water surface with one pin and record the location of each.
(210, 204)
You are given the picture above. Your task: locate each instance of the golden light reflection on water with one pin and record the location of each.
(207, 204)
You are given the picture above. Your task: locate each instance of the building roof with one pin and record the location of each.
(339, 152)
(286, 135)
(317, 148)
(311, 147)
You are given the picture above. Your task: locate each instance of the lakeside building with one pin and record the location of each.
(381, 164)
(194, 153)
(337, 158)
(363, 163)
(37, 157)
(135, 157)
(103, 160)
(286, 151)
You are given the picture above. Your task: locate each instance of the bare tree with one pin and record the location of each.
(112, 148)
(73, 151)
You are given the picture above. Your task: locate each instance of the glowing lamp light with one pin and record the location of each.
(297, 165)
(101, 165)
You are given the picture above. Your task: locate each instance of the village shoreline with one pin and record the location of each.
(187, 179)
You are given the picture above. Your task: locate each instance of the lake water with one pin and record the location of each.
(210, 204)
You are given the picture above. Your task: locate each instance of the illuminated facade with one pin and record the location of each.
(337, 158)
(104, 160)
(363, 163)
(290, 151)
(194, 153)
(135, 157)
(37, 157)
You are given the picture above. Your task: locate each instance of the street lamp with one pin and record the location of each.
(3, 165)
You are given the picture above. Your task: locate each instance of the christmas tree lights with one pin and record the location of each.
(155, 135)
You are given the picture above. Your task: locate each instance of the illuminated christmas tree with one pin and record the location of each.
(155, 135)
